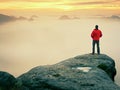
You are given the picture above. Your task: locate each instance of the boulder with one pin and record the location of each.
(84, 72)
(7, 81)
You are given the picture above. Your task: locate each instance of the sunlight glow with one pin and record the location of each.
(62, 5)
(65, 5)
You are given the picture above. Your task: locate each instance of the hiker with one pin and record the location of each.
(96, 35)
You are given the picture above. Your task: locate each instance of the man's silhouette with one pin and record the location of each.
(96, 35)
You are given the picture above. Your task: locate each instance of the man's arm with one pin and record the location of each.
(92, 34)
(100, 34)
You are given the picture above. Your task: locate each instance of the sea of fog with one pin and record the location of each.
(27, 44)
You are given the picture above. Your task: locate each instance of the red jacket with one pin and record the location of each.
(96, 34)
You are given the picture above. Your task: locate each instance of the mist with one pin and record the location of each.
(46, 41)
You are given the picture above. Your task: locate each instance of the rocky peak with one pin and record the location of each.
(84, 72)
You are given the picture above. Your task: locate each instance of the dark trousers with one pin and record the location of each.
(93, 48)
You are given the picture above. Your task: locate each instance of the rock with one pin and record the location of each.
(84, 72)
(7, 80)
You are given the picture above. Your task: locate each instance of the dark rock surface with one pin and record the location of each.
(7, 80)
(84, 72)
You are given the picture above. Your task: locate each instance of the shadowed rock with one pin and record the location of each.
(84, 72)
(7, 81)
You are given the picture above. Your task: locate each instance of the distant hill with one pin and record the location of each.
(66, 17)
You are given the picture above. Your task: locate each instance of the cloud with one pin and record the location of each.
(66, 17)
(7, 18)
(99, 2)
(88, 3)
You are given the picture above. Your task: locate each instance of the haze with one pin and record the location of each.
(45, 32)
(27, 44)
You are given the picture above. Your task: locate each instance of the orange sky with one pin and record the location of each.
(99, 7)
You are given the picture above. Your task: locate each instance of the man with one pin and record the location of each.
(96, 35)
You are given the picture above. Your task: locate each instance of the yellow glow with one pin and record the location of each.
(24, 5)
(66, 8)
(61, 5)
(65, 5)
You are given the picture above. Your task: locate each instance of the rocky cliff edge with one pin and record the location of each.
(84, 72)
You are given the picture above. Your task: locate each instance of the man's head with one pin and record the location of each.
(96, 26)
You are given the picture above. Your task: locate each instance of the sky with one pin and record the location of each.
(40, 32)
(55, 7)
